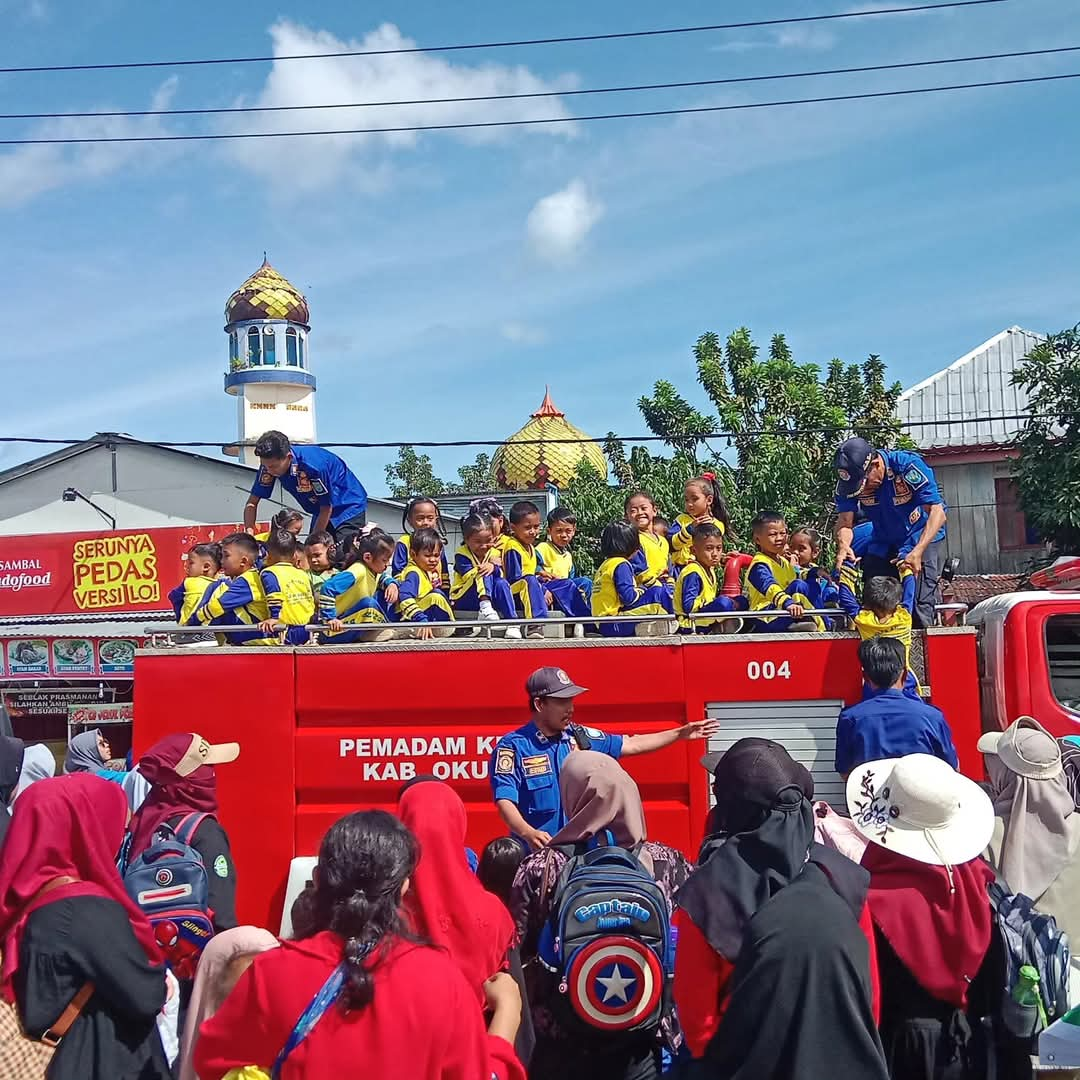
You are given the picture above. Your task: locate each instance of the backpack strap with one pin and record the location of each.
(186, 828)
(324, 997)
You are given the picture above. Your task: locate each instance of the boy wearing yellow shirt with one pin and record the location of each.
(572, 594)
(772, 581)
(203, 564)
(238, 599)
(290, 602)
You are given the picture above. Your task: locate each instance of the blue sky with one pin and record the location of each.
(451, 276)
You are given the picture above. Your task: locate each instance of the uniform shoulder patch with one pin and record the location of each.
(915, 476)
(593, 733)
(913, 517)
(318, 486)
(265, 478)
(221, 866)
(504, 761)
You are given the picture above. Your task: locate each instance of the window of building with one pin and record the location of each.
(234, 348)
(1063, 658)
(292, 358)
(254, 346)
(303, 351)
(1012, 526)
(269, 346)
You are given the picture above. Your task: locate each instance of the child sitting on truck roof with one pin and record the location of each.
(418, 600)
(572, 594)
(523, 566)
(773, 582)
(202, 565)
(478, 583)
(354, 602)
(616, 591)
(289, 599)
(885, 611)
(420, 513)
(698, 588)
(239, 599)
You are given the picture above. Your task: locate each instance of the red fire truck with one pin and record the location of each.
(327, 730)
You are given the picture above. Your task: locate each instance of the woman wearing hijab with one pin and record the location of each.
(87, 752)
(223, 961)
(774, 976)
(180, 771)
(927, 825)
(71, 936)
(598, 795)
(446, 903)
(1035, 847)
(12, 751)
(385, 1005)
(38, 764)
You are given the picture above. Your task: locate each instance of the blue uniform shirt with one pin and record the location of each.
(317, 478)
(525, 770)
(899, 508)
(891, 725)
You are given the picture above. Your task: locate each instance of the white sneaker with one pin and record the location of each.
(514, 632)
(579, 630)
(487, 612)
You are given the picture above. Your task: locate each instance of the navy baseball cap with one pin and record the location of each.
(551, 682)
(850, 466)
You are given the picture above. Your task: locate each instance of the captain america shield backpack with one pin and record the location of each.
(609, 941)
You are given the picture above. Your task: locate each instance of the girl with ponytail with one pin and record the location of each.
(704, 504)
(376, 1000)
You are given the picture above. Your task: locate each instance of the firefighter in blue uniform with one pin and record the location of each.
(897, 493)
(526, 763)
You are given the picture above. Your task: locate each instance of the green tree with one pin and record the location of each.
(412, 474)
(473, 478)
(1048, 469)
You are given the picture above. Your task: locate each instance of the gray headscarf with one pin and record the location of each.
(1041, 824)
(38, 764)
(83, 754)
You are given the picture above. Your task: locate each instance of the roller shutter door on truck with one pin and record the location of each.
(806, 728)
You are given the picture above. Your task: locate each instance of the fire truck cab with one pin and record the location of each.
(326, 730)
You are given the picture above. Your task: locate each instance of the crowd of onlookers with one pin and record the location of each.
(874, 939)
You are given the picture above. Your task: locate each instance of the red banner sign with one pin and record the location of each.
(84, 573)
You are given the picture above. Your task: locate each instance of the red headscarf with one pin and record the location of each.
(940, 934)
(446, 902)
(69, 826)
(170, 794)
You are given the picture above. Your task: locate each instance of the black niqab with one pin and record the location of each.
(800, 1004)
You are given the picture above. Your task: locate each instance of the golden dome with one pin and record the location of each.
(523, 462)
(267, 295)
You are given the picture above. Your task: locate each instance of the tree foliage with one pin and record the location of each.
(412, 474)
(1048, 469)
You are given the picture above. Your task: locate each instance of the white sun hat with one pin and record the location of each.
(921, 807)
(1025, 747)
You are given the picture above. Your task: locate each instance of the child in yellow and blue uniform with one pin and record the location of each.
(805, 547)
(522, 564)
(652, 562)
(203, 564)
(355, 602)
(239, 599)
(772, 581)
(885, 611)
(420, 513)
(704, 502)
(572, 594)
(698, 588)
(492, 509)
(289, 599)
(615, 588)
(418, 600)
(478, 583)
(290, 520)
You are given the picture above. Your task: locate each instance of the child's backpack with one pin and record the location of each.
(1030, 937)
(168, 882)
(608, 939)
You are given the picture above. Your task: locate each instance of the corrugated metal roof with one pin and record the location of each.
(74, 627)
(976, 385)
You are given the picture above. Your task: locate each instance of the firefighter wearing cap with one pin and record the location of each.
(526, 763)
(897, 493)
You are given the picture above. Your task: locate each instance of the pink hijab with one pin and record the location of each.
(212, 985)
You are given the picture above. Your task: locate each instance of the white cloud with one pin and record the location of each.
(558, 224)
(808, 38)
(311, 163)
(520, 333)
(29, 171)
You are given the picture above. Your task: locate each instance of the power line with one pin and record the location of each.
(218, 136)
(621, 35)
(690, 84)
(108, 440)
